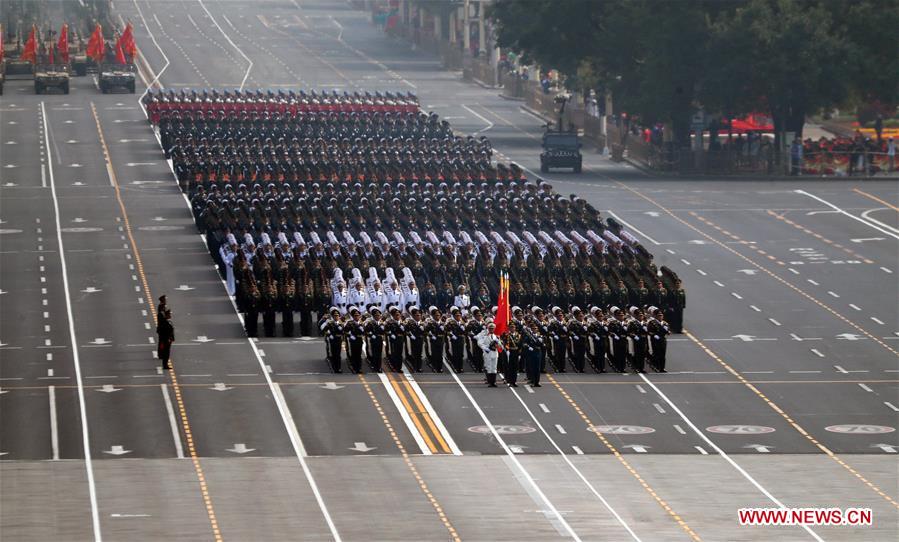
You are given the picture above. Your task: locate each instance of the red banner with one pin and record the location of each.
(29, 52)
(96, 47)
(62, 46)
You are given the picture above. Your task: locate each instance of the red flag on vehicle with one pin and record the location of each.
(50, 59)
(63, 44)
(29, 52)
(96, 47)
(127, 41)
(119, 54)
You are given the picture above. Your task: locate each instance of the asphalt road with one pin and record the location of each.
(783, 390)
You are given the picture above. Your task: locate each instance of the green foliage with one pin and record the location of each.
(663, 59)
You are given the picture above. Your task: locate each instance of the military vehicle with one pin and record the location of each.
(561, 149)
(80, 64)
(117, 76)
(48, 76)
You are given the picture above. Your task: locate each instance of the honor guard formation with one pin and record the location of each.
(362, 218)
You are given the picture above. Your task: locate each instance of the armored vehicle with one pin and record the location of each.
(116, 76)
(47, 76)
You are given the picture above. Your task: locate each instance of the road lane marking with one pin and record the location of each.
(512, 457)
(412, 424)
(570, 464)
(85, 437)
(544, 408)
(408, 461)
(176, 436)
(893, 407)
(54, 432)
(715, 447)
(185, 423)
(431, 416)
(651, 240)
(621, 459)
(490, 123)
(228, 39)
(852, 216)
(701, 450)
(819, 237)
(875, 198)
(865, 387)
(789, 419)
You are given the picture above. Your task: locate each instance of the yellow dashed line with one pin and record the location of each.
(740, 376)
(408, 460)
(819, 237)
(875, 198)
(624, 461)
(768, 271)
(182, 412)
(789, 419)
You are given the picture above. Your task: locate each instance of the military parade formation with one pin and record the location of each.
(366, 220)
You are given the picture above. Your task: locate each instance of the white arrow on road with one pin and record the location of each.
(142, 140)
(109, 388)
(117, 450)
(652, 213)
(3, 292)
(203, 339)
(75, 165)
(10, 166)
(134, 164)
(119, 121)
(78, 220)
(747, 271)
(10, 184)
(100, 340)
(863, 239)
(220, 386)
(78, 183)
(91, 290)
(331, 386)
(72, 141)
(760, 448)
(184, 288)
(159, 219)
(517, 448)
(362, 447)
(241, 448)
(888, 448)
(639, 448)
(697, 242)
(849, 337)
(750, 338)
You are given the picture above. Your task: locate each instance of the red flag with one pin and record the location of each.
(127, 41)
(96, 47)
(2, 52)
(502, 305)
(119, 55)
(63, 44)
(29, 52)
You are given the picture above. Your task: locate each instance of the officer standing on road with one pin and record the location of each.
(658, 331)
(489, 343)
(513, 347)
(531, 348)
(161, 308)
(415, 336)
(332, 329)
(166, 332)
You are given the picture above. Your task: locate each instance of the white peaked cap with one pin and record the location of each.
(231, 239)
(298, 237)
(348, 238)
(432, 237)
(248, 239)
(382, 238)
(398, 237)
(365, 238)
(332, 239)
(266, 240)
(450, 240)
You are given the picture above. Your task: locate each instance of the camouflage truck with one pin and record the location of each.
(117, 76)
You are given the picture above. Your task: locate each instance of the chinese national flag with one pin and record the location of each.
(119, 55)
(29, 52)
(96, 47)
(127, 41)
(502, 305)
(63, 44)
